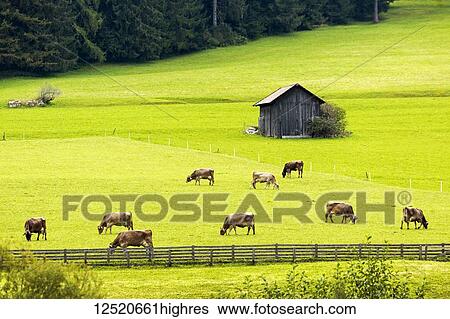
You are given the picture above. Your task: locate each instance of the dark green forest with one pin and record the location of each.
(44, 36)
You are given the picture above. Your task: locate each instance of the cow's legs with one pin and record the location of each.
(248, 230)
(45, 234)
(38, 235)
(235, 232)
(401, 225)
(331, 218)
(415, 224)
(253, 228)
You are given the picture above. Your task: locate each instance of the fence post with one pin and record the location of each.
(254, 256)
(276, 252)
(401, 251)
(127, 254)
(294, 254)
(169, 261)
(108, 255)
(443, 249)
(360, 250)
(420, 252)
(85, 256)
(426, 251)
(193, 252)
(149, 252)
(211, 257)
(316, 251)
(65, 256)
(232, 254)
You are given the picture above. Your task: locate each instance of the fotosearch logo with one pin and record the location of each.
(213, 207)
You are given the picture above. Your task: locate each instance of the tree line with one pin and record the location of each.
(43, 36)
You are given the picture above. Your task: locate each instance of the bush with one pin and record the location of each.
(372, 278)
(331, 122)
(30, 278)
(48, 93)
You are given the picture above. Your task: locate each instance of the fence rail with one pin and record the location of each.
(252, 254)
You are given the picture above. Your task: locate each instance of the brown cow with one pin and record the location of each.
(267, 178)
(340, 209)
(133, 238)
(202, 173)
(415, 215)
(35, 225)
(293, 166)
(241, 220)
(115, 219)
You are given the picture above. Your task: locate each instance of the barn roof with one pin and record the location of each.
(280, 92)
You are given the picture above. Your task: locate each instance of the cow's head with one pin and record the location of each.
(354, 219)
(188, 179)
(100, 229)
(223, 231)
(276, 186)
(283, 173)
(424, 223)
(27, 235)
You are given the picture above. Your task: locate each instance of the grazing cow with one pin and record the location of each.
(133, 238)
(415, 215)
(35, 225)
(201, 173)
(340, 209)
(293, 166)
(115, 219)
(267, 178)
(241, 220)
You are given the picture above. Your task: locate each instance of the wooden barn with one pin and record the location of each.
(286, 112)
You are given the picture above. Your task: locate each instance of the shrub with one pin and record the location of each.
(372, 278)
(331, 122)
(48, 93)
(30, 278)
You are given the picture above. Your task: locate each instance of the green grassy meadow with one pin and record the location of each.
(101, 138)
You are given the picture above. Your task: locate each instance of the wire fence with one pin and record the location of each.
(244, 254)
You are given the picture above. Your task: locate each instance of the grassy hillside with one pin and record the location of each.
(109, 134)
(398, 103)
(43, 171)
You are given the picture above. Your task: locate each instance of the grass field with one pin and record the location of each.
(185, 282)
(398, 107)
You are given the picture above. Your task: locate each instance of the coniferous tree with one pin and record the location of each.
(132, 30)
(187, 26)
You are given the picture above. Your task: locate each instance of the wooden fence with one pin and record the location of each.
(186, 255)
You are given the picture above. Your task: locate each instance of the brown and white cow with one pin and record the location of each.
(240, 220)
(115, 219)
(133, 238)
(35, 225)
(293, 166)
(202, 173)
(415, 215)
(268, 178)
(340, 209)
